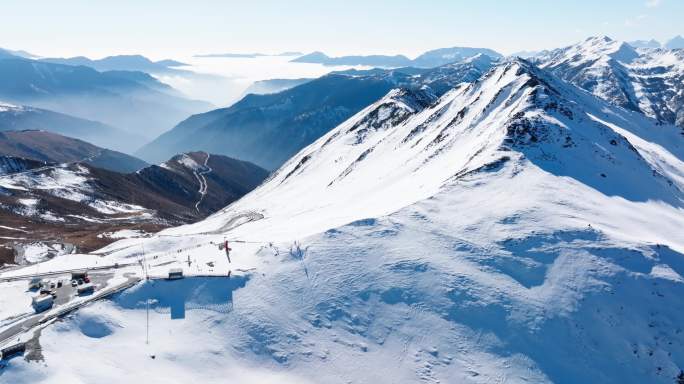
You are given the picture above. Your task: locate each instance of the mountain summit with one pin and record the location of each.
(650, 81)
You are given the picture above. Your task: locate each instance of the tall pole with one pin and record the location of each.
(147, 300)
(147, 326)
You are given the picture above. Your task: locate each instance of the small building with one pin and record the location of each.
(86, 288)
(42, 303)
(79, 275)
(10, 350)
(175, 273)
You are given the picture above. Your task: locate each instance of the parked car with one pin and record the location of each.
(74, 283)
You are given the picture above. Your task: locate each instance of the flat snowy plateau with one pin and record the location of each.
(517, 229)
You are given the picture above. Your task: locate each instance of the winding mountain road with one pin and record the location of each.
(202, 180)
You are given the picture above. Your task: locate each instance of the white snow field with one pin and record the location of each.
(516, 230)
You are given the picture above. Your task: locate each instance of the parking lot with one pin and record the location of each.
(66, 292)
(67, 299)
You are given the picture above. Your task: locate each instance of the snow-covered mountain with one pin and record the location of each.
(443, 56)
(269, 129)
(676, 42)
(650, 81)
(516, 229)
(405, 143)
(430, 59)
(645, 43)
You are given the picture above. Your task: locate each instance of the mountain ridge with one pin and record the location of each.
(429, 59)
(50, 147)
(268, 129)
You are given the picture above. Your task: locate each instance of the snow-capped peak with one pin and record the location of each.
(405, 148)
(191, 161)
(594, 40)
(592, 49)
(645, 80)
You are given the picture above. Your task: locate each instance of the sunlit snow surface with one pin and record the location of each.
(442, 244)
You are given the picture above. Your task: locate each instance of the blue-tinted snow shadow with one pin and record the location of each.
(597, 157)
(558, 343)
(177, 296)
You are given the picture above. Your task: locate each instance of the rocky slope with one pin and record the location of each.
(78, 202)
(650, 81)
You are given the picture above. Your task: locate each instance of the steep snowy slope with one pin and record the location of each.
(517, 229)
(402, 149)
(649, 80)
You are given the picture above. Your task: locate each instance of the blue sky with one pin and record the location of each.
(173, 28)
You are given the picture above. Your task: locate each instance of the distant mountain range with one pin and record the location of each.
(120, 63)
(19, 118)
(132, 101)
(264, 87)
(246, 55)
(676, 42)
(644, 43)
(8, 54)
(429, 59)
(268, 129)
(371, 60)
(53, 148)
